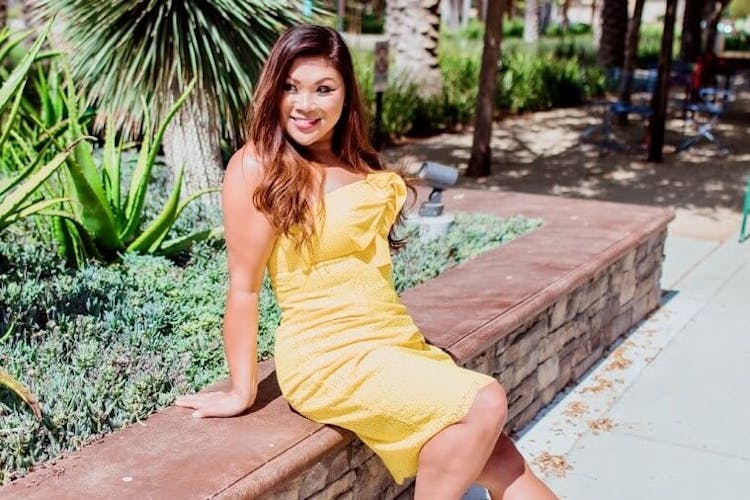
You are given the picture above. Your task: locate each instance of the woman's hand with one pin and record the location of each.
(215, 404)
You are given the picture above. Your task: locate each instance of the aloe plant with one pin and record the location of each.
(108, 216)
(18, 198)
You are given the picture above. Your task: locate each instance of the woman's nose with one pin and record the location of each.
(304, 101)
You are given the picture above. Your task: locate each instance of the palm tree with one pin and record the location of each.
(481, 158)
(135, 58)
(614, 29)
(413, 29)
(532, 17)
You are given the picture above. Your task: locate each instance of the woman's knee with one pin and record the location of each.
(491, 405)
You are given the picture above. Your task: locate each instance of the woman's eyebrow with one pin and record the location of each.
(294, 80)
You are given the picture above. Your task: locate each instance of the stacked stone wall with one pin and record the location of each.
(534, 362)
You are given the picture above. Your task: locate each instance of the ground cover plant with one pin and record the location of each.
(104, 346)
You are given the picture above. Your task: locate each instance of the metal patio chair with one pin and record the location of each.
(705, 114)
(744, 233)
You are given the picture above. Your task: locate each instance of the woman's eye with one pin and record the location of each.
(323, 89)
(288, 87)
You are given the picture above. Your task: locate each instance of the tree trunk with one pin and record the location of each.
(481, 157)
(3, 13)
(531, 21)
(690, 43)
(413, 29)
(614, 29)
(450, 11)
(711, 26)
(631, 50)
(564, 19)
(465, 13)
(596, 23)
(661, 93)
(192, 139)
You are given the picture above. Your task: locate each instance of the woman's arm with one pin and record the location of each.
(249, 240)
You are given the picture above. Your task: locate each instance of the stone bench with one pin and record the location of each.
(536, 314)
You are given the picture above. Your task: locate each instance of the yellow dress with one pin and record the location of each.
(347, 353)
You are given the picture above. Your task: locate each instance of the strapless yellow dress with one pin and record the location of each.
(347, 352)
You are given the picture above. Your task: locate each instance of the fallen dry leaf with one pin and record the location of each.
(555, 464)
(576, 409)
(601, 424)
(620, 362)
(601, 384)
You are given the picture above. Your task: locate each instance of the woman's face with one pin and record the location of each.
(312, 102)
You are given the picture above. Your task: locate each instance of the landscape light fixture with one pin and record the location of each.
(433, 222)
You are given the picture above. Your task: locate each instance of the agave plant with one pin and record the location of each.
(22, 392)
(108, 217)
(17, 192)
(123, 49)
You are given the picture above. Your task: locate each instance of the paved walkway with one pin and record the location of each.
(665, 414)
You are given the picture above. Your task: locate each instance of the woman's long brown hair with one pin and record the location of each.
(288, 180)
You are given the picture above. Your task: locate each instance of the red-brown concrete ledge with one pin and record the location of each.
(464, 310)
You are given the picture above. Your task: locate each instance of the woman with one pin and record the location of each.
(309, 199)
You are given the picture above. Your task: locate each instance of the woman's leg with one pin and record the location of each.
(453, 459)
(507, 475)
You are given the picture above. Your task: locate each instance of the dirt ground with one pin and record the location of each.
(543, 153)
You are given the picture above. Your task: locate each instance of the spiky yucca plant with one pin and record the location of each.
(121, 50)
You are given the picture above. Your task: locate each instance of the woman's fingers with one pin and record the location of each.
(195, 400)
(211, 404)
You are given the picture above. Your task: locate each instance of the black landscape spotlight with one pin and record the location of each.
(432, 221)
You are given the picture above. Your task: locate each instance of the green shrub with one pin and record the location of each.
(102, 347)
(513, 28)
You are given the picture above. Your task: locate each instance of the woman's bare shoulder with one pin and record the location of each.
(245, 164)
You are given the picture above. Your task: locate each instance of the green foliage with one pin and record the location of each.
(739, 9)
(740, 41)
(513, 28)
(19, 191)
(554, 72)
(372, 24)
(533, 82)
(470, 235)
(124, 49)
(107, 215)
(102, 347)
(573, 29)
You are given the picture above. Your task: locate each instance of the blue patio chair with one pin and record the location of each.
(709, 108)
(603, 134)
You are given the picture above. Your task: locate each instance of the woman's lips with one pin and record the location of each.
(305, 123)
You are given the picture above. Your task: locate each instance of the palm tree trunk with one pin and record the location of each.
(481, 157)
(531, 21)
(614, 29)
(596, 22)
(631, 50)
(192, 139)
(465, 12)
(660, 95)
(450, 11)
(690, 43)
(413, 29)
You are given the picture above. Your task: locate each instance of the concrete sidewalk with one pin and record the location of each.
(665, 414)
